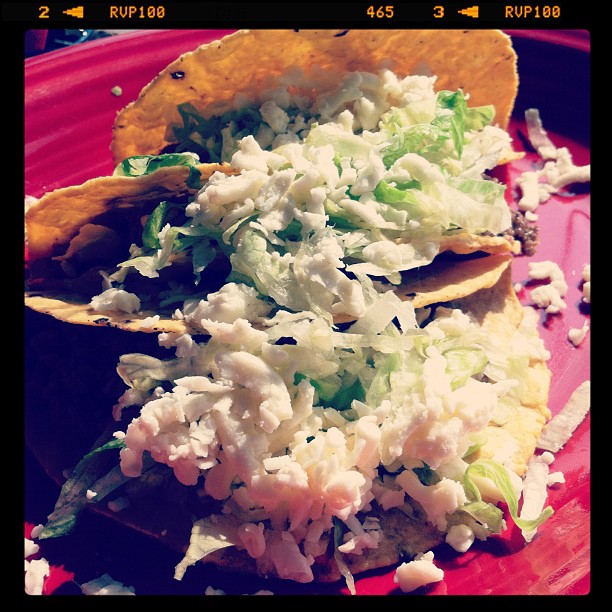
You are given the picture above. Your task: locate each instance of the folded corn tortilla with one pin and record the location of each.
(165, 510)
(481, 62)
(77, 232)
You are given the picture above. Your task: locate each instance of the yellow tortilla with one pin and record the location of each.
(440, 281)
(499, 311)
(480, 62)
(57, 217)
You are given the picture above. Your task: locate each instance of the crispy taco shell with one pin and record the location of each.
(480, 62)
(59, 215)
(75, 232)
(62, 413)
(440, 281)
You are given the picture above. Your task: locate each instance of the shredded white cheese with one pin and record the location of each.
(417, 573)
(577, 334)
(115, 299)
(586, 286)
(549, 296)
(36, 571)
(558, 170)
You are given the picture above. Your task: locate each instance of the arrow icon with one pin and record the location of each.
(471, 11)
(77, 12)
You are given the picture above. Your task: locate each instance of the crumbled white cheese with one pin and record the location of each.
(548, 298)
(233, 301)
(586, 286)
(547, 270)
(30, 548)
(577, 334)
(149, 322)
(361, 537)
(557, 173)
(555, 479)
(36, 571)
(586, 272)
(437, 500)
(130, 397)
(547, 457)
(289, 561)
(274, 116)
(115, 299)
(460, 537)
(184, 343)
(417, 573)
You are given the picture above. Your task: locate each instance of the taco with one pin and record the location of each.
(189, 102)
(306, 452)
(341, 168)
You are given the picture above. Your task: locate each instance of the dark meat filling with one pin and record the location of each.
(526, 232)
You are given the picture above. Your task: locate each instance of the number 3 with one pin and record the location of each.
(438, 11)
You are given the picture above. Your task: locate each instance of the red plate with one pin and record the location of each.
(69, 112)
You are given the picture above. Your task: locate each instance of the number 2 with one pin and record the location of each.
(43, 12)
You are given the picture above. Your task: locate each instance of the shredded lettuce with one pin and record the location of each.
(140, 165)
(496, 472)
(452, 123)
(338, 533)
(386, 195)
(96, 471)
(488, 515)
(155, 223)
(463, 363)
(215, 138)
(207, 535)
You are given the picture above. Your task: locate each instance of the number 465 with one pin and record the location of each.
(382, 12)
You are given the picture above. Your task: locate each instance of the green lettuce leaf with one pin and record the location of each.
(463, 363)
(452, 123)
(141, 165)
(207, 535)
(485, 468)
(87, 475)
